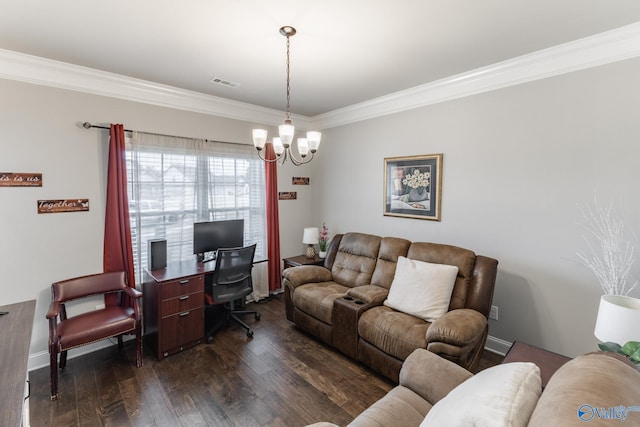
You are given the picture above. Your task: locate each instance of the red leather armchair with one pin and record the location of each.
(66, 333)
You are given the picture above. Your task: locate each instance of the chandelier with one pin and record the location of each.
(282, 143)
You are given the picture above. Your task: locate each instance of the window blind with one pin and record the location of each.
(174, 182)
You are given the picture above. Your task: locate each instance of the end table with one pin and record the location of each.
(547, 361)
(302, 260)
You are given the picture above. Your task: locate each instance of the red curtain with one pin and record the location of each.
(273, 221)
(118, 251)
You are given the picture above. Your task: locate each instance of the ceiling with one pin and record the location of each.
(345, 52)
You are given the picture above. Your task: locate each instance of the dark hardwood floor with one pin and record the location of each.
(281, 377)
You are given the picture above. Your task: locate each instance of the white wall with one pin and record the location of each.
(518, 163)
(41, 132)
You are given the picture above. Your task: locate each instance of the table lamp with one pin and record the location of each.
(310, 237)
(618, 319)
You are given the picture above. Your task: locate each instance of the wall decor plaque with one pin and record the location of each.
(66, 205)
(287, 195)
(14, 179)
(300, 180)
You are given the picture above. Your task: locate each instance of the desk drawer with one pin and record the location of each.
(176, 288)
(182, 303)
(181, 329)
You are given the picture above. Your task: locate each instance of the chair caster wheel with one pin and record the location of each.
(249, 333)
(257, 316)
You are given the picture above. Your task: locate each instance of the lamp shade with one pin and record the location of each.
(286, 132)
(278, 148)
(618, 319)
(259, 138)
(303, 146)
(310, 236)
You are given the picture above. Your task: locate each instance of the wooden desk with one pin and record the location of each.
(547, 361)
(15, 339)
(173, 304)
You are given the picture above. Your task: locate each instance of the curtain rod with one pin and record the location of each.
(88, 125)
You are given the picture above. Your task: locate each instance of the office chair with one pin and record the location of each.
(231, 281)
(66, 333)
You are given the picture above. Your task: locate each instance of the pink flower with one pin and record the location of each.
(324, 237)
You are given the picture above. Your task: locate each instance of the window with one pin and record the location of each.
(174, 182)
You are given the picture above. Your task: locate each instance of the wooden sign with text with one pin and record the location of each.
(69, 205)
(300, 180)
(13, 179)
(287, 195)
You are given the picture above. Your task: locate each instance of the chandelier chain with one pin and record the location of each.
(288, 82)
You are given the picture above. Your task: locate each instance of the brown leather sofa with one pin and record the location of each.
(595, 389)
(342, 302)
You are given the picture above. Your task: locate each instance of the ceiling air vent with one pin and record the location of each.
(223, 82)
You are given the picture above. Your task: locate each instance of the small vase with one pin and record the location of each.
(322, 254)
(417, 194)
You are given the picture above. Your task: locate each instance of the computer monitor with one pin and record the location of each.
(211, 235)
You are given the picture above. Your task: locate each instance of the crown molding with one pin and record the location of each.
(611, 46)
(42, 71)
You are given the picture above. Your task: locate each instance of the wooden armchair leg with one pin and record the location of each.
(63, 359)
(139, 350)
(53, 367)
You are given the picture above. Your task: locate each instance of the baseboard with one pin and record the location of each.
(41, 359)
(496, 345)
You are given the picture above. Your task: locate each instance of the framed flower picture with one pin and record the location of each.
(413, 186)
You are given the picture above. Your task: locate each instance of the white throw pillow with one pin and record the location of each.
(503, 395)
(421, 289)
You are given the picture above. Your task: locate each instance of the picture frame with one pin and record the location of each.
(413, 186)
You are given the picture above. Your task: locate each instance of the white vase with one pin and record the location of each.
(322, 254)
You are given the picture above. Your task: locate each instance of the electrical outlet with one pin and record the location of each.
(99, 306)
(494, 312)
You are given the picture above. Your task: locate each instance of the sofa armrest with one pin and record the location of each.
(369, 294)
(430, 376)
(457, 327)
(296, 276)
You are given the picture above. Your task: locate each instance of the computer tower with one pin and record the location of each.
(157, 254)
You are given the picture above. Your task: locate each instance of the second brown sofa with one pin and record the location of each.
(342, 302)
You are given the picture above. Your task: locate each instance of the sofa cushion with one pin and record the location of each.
(356, 259)
(393, 332)
(316, 299)
(503, 395)
(436, 253)
(390, 249)
(399, 407)
(421, 289)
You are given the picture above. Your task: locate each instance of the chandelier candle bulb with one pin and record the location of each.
(278, 147)
(314, 140)
(259, 138)
(286, 132)
(303, 147)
